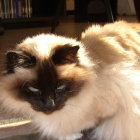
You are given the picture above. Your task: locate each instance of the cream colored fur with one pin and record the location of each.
(116, 49)
(109, 102)
(115, 42)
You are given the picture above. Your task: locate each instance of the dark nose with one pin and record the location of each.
(49, 103)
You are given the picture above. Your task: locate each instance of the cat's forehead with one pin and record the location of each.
(44, 44)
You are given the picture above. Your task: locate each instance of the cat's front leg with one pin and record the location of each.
(72, 137)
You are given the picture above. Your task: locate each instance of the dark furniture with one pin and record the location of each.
(95, 10)
(137, 8)
(1, 29)
(45, 13)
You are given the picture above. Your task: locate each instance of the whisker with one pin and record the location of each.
(73, 91)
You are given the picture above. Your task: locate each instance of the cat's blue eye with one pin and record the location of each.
(34, 90)
(61, 88)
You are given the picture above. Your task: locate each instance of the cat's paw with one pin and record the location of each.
(72, 137)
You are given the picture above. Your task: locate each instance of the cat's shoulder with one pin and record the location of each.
(113, 42)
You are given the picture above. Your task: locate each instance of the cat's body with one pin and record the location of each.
(116, 49)
(113, 43)
(67, 87)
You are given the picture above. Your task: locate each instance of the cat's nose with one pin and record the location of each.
(49, 103)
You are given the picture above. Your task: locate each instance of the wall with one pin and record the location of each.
(126, 7)
(69, 5)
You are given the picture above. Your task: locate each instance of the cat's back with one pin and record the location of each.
(114, 42)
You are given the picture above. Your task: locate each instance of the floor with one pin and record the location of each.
(67, 27)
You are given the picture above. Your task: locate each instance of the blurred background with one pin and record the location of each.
(22, 18)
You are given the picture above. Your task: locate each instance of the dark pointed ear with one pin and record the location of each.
(66, 54)
(19, 59)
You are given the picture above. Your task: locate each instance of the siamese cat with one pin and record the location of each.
(68, 86)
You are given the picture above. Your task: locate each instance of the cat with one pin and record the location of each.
(68, 86)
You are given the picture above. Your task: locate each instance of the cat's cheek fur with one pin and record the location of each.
(9, 93)
(15, 106)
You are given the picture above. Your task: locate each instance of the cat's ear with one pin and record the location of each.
(19, 59)
(66, 54)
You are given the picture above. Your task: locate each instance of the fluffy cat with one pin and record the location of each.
(69, 86)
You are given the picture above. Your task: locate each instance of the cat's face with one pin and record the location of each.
(45, 74)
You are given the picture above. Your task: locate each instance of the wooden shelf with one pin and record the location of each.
(27, 22)
(44, 13)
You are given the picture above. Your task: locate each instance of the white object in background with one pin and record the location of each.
(126, 7)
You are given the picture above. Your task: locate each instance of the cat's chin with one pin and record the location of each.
(47, 111)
